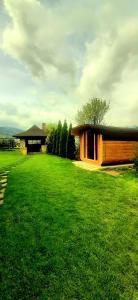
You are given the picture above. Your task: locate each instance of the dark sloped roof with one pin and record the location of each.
(108, 132)
(34, 131)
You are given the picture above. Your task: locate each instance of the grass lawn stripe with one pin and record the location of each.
(68, 233)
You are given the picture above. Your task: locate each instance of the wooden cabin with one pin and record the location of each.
(104, 145)
(32, 140)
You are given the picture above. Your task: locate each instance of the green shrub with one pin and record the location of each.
(70, 146)
(63, 139)
(136, 163)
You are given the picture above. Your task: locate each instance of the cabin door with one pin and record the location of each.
(90, 145)
(34, 146)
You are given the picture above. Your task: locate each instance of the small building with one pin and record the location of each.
(32, 140)
(105, 145)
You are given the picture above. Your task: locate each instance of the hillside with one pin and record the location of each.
(6, 131)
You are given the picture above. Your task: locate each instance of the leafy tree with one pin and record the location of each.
(49, 129)
(54, 141)
(136, 161)
(63, 139)
(92, 112)
(136, 164)
(70, 149)
(77, 145)
(50, 141)
(59, 129)
(7, 143)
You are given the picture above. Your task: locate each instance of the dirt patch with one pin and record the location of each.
(112, 172)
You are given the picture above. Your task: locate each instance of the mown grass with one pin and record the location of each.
(67, 233)
(9, 158)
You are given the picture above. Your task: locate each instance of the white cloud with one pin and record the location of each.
(107, 56)
(77, 50)
(111, 71)
(36, 37)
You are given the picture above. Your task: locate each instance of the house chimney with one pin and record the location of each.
(44, 127)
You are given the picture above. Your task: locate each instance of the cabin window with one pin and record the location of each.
(85, 144)
(96, 146)
(90, 144)
(34, 142)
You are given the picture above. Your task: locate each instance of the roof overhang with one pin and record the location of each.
(108, 132)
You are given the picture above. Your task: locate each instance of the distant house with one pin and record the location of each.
(106, 145)
(32, 140)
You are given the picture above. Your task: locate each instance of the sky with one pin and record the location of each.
(57, 54)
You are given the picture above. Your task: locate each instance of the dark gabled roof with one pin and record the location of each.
(34, 131)
(108, 132)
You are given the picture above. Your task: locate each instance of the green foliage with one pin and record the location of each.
(50, 141)
(67, 233)
(54, 141)
(92, 112)
(51, 137)
(70, 148)
(77, 144)
(49, 129)
(59, 130)
(7, 143)
(63, 139)
(136, 162)
(61, 142)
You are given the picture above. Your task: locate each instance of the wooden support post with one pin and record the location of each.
(94, 147)
(100, 149)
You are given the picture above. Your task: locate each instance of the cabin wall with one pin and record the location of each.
(109, 151)
(119, 151)
(43, 148)
(23, 148)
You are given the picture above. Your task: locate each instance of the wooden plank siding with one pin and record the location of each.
(119, 151)
(111, 145)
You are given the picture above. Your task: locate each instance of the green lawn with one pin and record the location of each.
(9, 158)
(67, 233)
